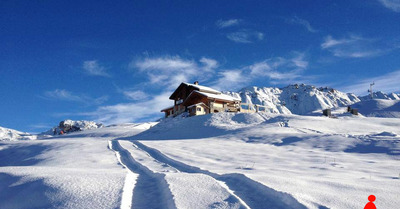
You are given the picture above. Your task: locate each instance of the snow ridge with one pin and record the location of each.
(381, 95)
(7, 134)
(298, 99)
(67, 126)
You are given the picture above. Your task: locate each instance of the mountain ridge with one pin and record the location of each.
(296, 99)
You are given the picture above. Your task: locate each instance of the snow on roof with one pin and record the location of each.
(167, 108)
(200, 103)
(218, 96)
(203, 88)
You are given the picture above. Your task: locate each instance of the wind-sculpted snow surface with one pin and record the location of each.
(161, 181)
(252, 193)
(270, 160)
(222, 160)
(78, 173)
(73, 171)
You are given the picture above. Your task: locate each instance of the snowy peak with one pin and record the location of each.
(7, 134)
(268, 97)
(297, 99)
(303, 99)
(68, 126)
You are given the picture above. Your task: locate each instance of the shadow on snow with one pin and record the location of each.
(25, 194)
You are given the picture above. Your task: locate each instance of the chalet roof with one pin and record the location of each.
(220, 96)
(194, 86)
(203, 88)
(198, 104)
(167, 108)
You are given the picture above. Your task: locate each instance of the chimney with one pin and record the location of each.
(196, 83)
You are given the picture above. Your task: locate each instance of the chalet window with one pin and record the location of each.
(199, 109)
(179, 101)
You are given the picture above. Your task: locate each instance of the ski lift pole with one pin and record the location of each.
(370, 89)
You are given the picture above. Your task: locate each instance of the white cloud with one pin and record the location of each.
(129, 112)
(331, 42)
(355, 47)
(302, 22)
(170, 71)
(299, 61)
(277, 70)
(387, 83)
(391, 4)
(64, 95)
(92, 67)
(245, 36)
(163, 63)
(280, 68)
(260, 69)
(230, 80)
(227, 23)
(209, 64)
(135, 95)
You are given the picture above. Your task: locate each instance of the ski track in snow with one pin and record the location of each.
(127, 158)
(250, 193)
(150, 188)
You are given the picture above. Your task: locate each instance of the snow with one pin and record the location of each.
(77, 170)
(7, 134)
(298, 99)
(203, 88)
(381, 95)
(263, 96)
(379, 108)
(321, 162)
(198, 104)
(222, 160)
(220, 96)
(79, 125)
(167, 108)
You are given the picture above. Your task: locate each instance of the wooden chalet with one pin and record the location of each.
(200, 100)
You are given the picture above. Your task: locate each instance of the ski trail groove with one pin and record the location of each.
(232, 201)
(151, 190)
(252, 193)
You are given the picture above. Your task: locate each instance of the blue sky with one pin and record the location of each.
(118, 61)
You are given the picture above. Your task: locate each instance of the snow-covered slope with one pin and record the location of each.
(381, 95)
(379, 108)
(7, 134)
(76, 170)
(265, 158)
(297, 99)
(224, 160)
